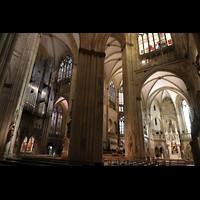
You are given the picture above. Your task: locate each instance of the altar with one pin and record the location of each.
(173, 144)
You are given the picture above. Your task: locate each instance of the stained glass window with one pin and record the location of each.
(152, 41)
(121, 96)
(53, 121)
(169, 39)
(163, 41)
(121, 125)
(157, 41)
(59, 123)
(30, 143)
(112, 91)
(24, 143)
(65, 70)
(56, 121)
(140, 45)
(186, 114)
(146, 45)
(27, 146)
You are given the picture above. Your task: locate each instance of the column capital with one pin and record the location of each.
(138, 98)
(92, 52)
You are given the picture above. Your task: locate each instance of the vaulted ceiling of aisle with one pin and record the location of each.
(161, 85)
(113, 61)
(58, 44)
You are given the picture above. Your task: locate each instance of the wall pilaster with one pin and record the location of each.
(7, 44)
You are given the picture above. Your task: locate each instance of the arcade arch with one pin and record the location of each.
(99, 60)
(160, 94)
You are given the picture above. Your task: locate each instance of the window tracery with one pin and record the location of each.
(27, 145)
(59, 123)
(65, 70)
(121, 125)
(112, 95)
(53, 121)
(56, 122)
(149, 42)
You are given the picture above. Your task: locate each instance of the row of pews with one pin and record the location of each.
(125, 162)
(153, 162)
(36, 162)
(107, 162)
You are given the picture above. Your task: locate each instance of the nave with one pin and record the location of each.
(79, 95)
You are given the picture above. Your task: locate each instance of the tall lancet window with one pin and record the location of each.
(121, 96)
(186, 113)
(146, 45)
(59, 123)
(121, 99)
(65, 70)
(53, 121)
(141, 49)
(151, 42)
(121, 125)
(163, 40)
(157, 41)
(112, 95)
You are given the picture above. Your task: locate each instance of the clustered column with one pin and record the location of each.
(87, 117)
(134, 138)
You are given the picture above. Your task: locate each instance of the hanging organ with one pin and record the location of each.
(40, 95)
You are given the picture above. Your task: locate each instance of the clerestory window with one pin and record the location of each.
(65, 70)
(149, 42)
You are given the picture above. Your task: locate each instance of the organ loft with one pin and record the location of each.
(99, 98)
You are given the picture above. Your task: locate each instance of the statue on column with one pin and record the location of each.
(9, 138)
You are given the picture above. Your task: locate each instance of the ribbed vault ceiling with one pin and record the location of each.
(58, 45)
(161, 85)
(113, 61)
